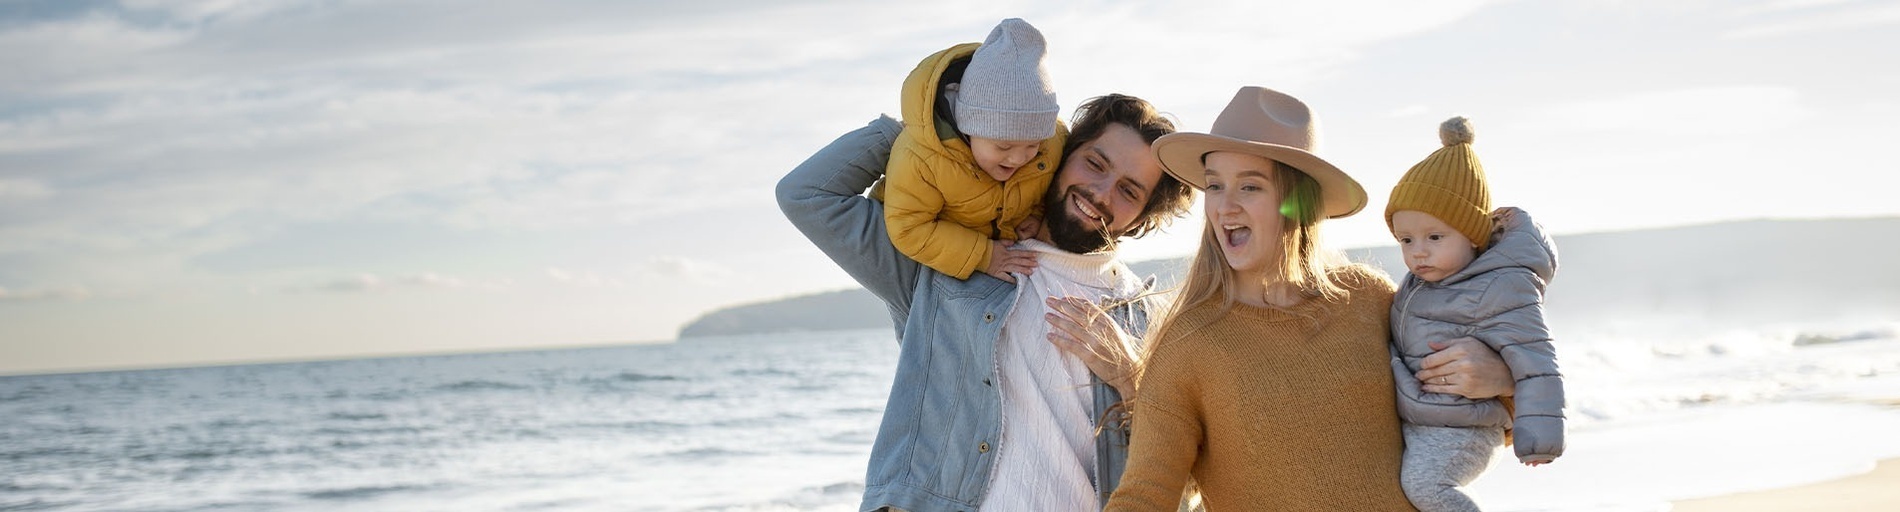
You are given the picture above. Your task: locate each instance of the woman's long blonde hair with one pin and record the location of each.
(1303, 263)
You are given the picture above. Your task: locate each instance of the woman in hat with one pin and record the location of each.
(1269, 381)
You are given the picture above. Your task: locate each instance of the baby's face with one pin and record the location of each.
(1432, 249)
(1001, 158)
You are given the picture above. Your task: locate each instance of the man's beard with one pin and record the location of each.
(1066, 231)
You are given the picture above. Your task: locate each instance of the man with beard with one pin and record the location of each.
(987, 411)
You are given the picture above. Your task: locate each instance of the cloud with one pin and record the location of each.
(193, 127)
(1782, 6)
(23, 189)
(141, 139)
(79, 55)
(1659, 116)
(1778, 19)
(208, 11)
(582, 279)
(69, 293)
(1210, 47)
(154, 167)
(686, 268)
(1409, 111)
(367, 282)
(234, 124)
(431, 280)
(357, 283)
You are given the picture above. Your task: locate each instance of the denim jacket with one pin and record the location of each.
(934, 448)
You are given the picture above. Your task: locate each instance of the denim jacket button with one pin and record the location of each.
(989, 317)
(982, 447)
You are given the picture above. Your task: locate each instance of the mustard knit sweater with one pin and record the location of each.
(1271, 409)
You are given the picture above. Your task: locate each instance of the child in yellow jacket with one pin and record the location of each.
(980, 145)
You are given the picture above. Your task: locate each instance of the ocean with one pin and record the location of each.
(785, 422)
(782, 422)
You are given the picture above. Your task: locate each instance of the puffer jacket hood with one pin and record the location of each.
(918, 99)
(1533, 250)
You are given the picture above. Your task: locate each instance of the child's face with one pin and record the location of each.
(1432, 249)
(1001, 158)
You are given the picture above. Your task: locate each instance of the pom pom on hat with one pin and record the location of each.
(1456, 130)
(1448, 184)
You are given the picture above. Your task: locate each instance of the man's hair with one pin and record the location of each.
(1170, 197)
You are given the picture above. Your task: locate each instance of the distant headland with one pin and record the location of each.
(1753, 270)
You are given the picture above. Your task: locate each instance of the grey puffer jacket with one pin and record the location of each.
(1498, 299)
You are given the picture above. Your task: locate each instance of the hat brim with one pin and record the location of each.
(1181, 153)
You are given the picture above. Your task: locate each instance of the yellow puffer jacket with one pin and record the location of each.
(941, 208)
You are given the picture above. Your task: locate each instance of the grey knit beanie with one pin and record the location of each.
(1005, 93)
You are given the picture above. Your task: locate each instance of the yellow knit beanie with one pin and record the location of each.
(1449, 185)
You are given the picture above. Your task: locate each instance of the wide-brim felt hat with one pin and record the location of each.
(1270, 124)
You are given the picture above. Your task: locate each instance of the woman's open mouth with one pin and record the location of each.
(1236, 235)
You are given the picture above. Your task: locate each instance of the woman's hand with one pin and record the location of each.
(1084, 330)
(1465, 367)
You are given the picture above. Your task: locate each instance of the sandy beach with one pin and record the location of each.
(1875, 490)
(1878, 489)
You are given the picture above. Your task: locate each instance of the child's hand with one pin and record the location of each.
(1029, 228)
(1006, 260)
(1537, 460)
(1505, 218)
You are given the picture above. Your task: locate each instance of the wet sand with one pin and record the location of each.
(1876, 490)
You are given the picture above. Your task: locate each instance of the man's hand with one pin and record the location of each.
(1005, 260)
(1085, 331)
(1465, 367)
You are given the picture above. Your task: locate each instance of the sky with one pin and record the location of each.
(219, 181)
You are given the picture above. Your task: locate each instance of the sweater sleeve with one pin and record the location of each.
(1513, 324)
(913, 207)
(1165, 439)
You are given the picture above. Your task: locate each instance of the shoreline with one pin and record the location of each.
(1688, 460)
(1878, 489)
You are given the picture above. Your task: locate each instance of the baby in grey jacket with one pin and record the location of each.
(1471, 272)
